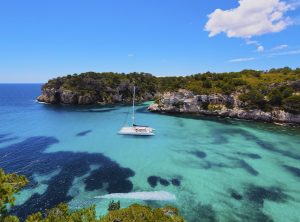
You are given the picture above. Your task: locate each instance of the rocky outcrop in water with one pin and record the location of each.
(185, 102)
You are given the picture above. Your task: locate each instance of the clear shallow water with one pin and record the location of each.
(228, 170)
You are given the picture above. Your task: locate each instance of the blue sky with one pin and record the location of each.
(40, 40)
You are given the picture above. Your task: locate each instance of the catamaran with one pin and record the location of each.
(134, 129)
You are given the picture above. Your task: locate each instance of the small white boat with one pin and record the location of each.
(136, 130)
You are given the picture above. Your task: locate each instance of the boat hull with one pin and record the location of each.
(136, 131)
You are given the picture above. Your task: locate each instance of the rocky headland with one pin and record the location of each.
(185, 102)
(97, 88)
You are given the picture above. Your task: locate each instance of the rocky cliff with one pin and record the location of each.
(97, 88)
(73, 97)
(184, 101)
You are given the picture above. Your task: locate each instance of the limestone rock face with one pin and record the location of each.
(85, 100)
(184, 101)
(68, 97)
(109, 96)
(49, 96)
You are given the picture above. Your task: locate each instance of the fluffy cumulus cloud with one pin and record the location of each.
(250, 18)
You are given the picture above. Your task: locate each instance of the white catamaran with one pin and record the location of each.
(136, 130)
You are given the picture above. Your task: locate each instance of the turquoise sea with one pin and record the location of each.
(218, 169)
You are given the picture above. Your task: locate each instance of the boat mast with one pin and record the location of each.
(133, 105)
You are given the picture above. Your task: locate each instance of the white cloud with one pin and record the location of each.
(242, 60)
(260, 48)
(250, 18)
(279, 47)
(292, 52)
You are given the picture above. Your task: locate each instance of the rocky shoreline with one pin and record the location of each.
(185, 102)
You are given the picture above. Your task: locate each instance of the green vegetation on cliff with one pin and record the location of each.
(10, 184)
(259, 89)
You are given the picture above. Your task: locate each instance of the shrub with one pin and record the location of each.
(214, 107)
(292, 104)
(286, 91)
(207, 84)
(9, 185)
(254, 99)
(275, 97)
(114, 205)
(143, 213)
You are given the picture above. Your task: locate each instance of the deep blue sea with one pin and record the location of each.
(218, 169)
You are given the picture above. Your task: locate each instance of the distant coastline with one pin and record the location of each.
(270, 96)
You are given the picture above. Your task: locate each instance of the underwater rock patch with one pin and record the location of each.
(294, 170)
(235, 195)
(28, 158)
(114, 176)
(248, 168)
(164, 182)
(223, 133)
(176, 182)
(200, 212)
(250, 155)
(258, 194)
(83, 133)
(154, 180)
(199, 154)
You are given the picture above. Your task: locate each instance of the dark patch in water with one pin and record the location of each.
(115, 176)
(7, 139)
(152, 180)
(250, 155)
(258, 194)
(176, 182)
(4, 135)
(208, 165)
(270, 147)
(180, 123)
(164, 182)
(238, 163)
(255, 214)
(293, 170)
(235, 195)
(220, 133)
(248, 168)
(201, 212)
(199, 154)
(28, 158)
(83, 133)
(219, 139)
